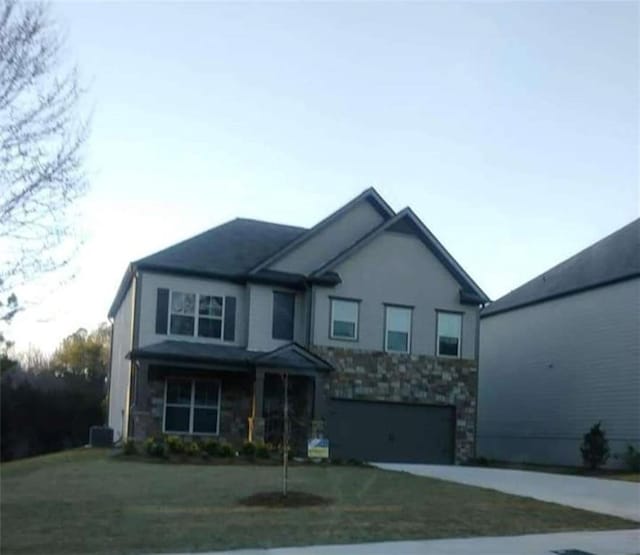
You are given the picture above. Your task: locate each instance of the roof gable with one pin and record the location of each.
(369, 196)
(293, 355)
(407, 222)
(612, 259)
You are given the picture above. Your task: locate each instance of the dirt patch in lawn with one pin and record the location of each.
(277, 500)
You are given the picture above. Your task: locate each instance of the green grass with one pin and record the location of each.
(86, 501)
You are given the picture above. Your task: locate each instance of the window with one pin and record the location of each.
(397, 329)
(344, 319)
(182, 319)
(283, 312)
(196, 315)
(191, 406)
(449, 334)
(210, 316)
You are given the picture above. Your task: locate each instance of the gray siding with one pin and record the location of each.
(327, 243)
(550, 371)
(150, 284)
(396, 268)
(261, 318)
(120, 367)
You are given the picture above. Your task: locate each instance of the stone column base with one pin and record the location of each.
(256, 430)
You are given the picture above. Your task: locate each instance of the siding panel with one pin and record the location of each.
(549, 371)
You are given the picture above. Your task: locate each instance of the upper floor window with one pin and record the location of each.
(397, 329)
(207, 321)
(283, 315)
(449, 334)
(344, 319)
(210, 316)
(182, 317)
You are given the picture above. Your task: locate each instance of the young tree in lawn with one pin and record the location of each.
(41, 139)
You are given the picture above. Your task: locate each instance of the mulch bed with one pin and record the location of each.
(277, 500)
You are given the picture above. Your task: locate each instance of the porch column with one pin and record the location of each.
(256, 421)
(141, 402)
(319, 407)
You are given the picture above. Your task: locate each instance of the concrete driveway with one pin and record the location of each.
(619, 542)
(612, 497)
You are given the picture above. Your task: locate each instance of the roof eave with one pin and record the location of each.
(559, 295)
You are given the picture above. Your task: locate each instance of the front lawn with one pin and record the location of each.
(88, 501)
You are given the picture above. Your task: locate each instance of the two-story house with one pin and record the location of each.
(373, 321)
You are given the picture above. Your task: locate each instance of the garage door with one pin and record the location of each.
(391, 432)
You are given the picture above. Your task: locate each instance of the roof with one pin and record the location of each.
(369, 195)
(406, 221)
(291, 355)
(227, 251)
(612, 259)
(230, 249)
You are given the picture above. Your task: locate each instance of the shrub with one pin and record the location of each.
(248, 449)
(262, 451)
(129, 447)
(595, 447)
(191, 448)
(176, 445)
(211, 447)
(155, 447)
(632, 458)
(226, 450)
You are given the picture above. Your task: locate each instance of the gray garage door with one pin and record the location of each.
(391, 432)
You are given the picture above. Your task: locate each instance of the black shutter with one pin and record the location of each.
(283, 312)
(229, 319)
(162, 311)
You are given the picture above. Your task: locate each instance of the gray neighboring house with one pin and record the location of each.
(561, 353)
(372, 319)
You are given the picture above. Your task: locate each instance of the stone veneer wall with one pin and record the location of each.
(237, 395)
(379, 376)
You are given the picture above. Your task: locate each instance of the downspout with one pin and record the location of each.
(108, 384)
(475, 427)
(135, 340)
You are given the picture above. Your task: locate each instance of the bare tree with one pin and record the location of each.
(41, 139)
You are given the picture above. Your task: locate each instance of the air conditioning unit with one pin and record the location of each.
(100, 436)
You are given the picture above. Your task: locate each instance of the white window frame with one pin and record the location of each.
(332, 320)
(197, 315)
(386, 328)
(453, 313)
(197, 329)
(192, 406)
(170, 311)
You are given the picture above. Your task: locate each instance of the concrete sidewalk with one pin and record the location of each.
(611, 497)
(619, 542)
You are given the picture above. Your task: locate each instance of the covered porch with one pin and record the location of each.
(229, 393)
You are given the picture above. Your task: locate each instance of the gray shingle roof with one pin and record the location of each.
(614, 258)
(230, 249)
(292, 355)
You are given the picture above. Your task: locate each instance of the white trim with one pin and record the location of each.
(459, 315)
(386, 328)
(192, 406)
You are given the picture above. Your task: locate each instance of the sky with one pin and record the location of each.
(510, 128)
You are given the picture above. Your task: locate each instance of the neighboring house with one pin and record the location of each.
(561, 353)
(374, 322)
